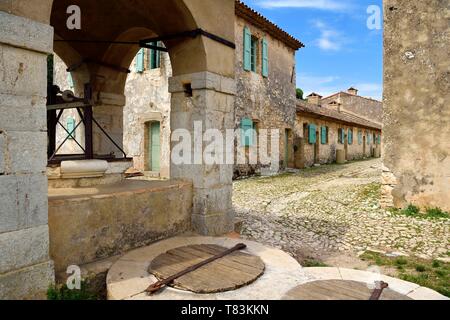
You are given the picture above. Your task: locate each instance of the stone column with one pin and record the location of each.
(25, 268)
(108, 112)
(212, 105)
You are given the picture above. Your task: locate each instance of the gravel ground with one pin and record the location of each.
(333, 213)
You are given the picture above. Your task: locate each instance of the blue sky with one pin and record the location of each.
(341, 51)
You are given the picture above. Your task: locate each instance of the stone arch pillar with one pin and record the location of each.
(26, 38)
(25, 268)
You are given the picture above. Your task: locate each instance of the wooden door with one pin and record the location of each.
(155, 146)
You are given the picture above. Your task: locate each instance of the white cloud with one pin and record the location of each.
(330, 39)
(373, 90)
(333, 5)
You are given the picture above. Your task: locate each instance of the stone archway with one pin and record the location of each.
(28, 31)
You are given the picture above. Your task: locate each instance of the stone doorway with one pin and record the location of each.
(153, 146)
(364, 146)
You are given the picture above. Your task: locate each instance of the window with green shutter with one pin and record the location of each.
(71, 127)
(360, 137)
(324, 135)
(247, 49)
(350, 136)
(154, 56)
(369, 138)
(265, 58)
(312, 134)
(140, 60)
(247, 133)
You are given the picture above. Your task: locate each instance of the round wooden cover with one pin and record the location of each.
(338, 290)
(228, 273)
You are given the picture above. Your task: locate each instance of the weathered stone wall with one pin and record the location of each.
(268, 101)
(25, 268)
(86, 226)
(327, 152)
(416, 103)
(367, 108)
(148, 99)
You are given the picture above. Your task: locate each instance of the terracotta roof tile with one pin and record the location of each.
(304, 107)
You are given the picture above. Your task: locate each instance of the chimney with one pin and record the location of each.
(314, 99)
(353, 91)
(334, 105)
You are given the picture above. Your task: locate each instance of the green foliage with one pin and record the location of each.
(432, 274)
(437, 213)
(415, 212)
(313, 264)
(64, 293)
(299, 94)
(411, 211)
(421, 268)
(401, 261)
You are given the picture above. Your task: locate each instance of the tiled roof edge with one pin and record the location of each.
(247, 13)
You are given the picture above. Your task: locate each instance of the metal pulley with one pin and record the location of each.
(68, 96)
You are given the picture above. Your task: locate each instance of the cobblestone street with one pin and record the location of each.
(332, 211)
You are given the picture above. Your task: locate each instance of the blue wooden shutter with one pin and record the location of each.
(158, 56)
(350, 136)
(247, 132)
(155, 56)
(312, 134)
(360, 137)
(247, 49)
(265, 58)
(140, 61)
(323, 137)
(342, 136)
(71, 127)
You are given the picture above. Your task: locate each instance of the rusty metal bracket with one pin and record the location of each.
(380, 286)
(190, 34)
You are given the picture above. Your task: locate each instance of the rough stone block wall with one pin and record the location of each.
(365, 107)
(88, 227)
(25, 268)
(269, 101)
(416, 103)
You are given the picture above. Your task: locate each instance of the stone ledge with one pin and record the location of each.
(30, 283)
(25, 33)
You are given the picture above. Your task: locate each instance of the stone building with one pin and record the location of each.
(266, 84)
(416, 153)
(265, 80)
(352, 103)
(325, 128)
